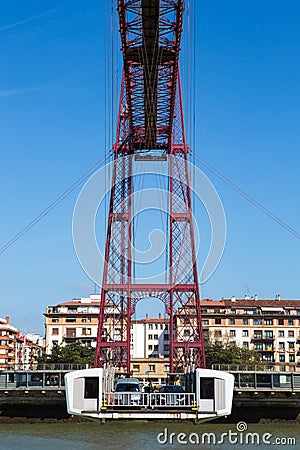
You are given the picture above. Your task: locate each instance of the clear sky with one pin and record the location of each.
(52, 86)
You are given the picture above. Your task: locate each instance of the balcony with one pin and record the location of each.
(258, 337)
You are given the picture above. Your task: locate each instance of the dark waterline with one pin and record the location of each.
(134, 436)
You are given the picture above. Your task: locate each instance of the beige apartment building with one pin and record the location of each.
(271, 327)
(77, 321)
(74, 321)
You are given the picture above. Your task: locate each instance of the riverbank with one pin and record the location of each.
(53, 410)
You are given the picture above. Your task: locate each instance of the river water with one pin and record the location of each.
(145, 435)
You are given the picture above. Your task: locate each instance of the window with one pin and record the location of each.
(218, 321)
(150, 337)
(291, 333)
(281, 358)
(245, 333)
(245, 321)
(257, 321)
(246, 345)
(292, 358)
(136, 367)
(89, 319)
(258, 346)
(70, 332)
(150, 326)
(71, 319)
(155, 348)
(156, 336)
(91, 387)
(166, 327)
(166, 337)
(167, 368)
(54, 319)
(161, 326)
(83, 319)
(186, 333)
(151, 367)
(291, 346)
(268, 321)
(86, 331)
(281, 345)
(280, 321)
(218, 333)
(166, 348)
(207, 388)
(150, 347)
(291, 322)
(205, 322)
(232, 333)
(269, 334)
(280, 333)
(232, 321)
(156, 326)
(54, 331)
(54, 343)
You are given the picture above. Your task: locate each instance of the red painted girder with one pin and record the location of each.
(150, 34)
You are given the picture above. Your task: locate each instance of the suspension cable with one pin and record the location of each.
(52, 205)
(248, 197)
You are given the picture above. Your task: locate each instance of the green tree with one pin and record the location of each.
(221, 353)
(74, 353)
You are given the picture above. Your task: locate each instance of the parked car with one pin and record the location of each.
(127, 392)
(171, 395)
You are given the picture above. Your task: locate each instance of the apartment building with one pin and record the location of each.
(29, 349)
(149, 349)
(77, 321)
(271, 327)
(74, 321)
(8, 344)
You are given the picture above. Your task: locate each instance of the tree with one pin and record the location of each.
(74, 353)
(222, 353)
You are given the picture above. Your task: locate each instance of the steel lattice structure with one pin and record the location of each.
(150, 120)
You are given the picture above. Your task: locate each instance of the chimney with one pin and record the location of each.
(159, 315)
(277, 297)
(255, 297)
(147, 317)
(7, 319)
(233, 298)
(246, 297)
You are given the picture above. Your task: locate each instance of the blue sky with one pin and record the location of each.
(52, 95)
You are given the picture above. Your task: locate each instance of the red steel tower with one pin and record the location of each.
(150, 122)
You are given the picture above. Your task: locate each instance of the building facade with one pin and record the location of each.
(75, 321)
(271, 327)
(8, 345)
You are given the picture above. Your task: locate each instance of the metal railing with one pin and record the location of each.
(149, 400)
(258, 367)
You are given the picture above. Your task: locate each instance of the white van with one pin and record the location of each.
(127, 392)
